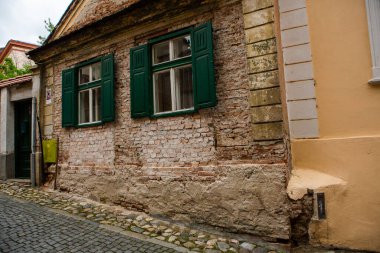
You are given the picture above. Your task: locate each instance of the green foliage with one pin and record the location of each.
(9, 70)
(49, 27)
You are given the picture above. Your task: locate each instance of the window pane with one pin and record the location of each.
(96, 109)
(163, 97)
(182, 47)
(84, 75)
(84, 109)
(184, 88)
(96, 71)
(161, 52)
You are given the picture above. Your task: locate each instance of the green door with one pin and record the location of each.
(23, 116)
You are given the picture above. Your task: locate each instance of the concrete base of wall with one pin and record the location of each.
(243, 198)
(7, 166)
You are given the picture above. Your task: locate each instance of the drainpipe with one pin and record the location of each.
(33, 155)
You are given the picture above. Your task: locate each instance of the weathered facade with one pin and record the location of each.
(225, 166)
(16, 50)
(19, 97)
(16, 95)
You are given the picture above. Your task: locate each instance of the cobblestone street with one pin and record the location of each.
(27, 227)
(32, 220)
(132, 224)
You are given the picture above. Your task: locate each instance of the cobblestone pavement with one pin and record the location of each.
(42, 220)
(27, 227)
(140, 225)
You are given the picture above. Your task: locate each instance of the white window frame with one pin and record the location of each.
(373, 14)
(90, 100)
(173, 83)
(174, 91)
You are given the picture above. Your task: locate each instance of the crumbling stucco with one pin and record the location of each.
(213, 167)
(239, 198)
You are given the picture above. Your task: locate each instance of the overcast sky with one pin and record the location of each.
(24, 19)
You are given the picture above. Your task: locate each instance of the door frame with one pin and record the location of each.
(15, 106)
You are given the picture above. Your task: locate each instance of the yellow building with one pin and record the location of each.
(331, 62)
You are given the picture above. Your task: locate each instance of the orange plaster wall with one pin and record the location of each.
(347, 104)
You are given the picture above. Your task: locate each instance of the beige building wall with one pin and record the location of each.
(344, 161)
(19, 57)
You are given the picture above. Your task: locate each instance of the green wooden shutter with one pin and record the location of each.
(108, 101)
(139, 62)
(68, 98)
(203, 66)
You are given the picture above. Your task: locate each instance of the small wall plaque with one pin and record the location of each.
(48, 96)
(321, 205)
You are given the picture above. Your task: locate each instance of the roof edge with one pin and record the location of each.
(16, 80)
(57, 26)
(12, 43)
(104, 19)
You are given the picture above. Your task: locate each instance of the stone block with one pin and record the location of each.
(297, 54)
(48, 110)
(293, 19)
(288, 5)
(267, 131)
(48, 120)
(302, 109)
(260, 33)
(260, 17)
(304, 128)
(48, 130)
(299, 72)
(50, 81)
(253, 5)
(300, 90)
(295, 36)
(266, 113)
(265, 97)
(262, 48)
(262, 63)
(264, 80)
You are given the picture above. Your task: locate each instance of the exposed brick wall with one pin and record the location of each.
(207, 167)
(92, 11)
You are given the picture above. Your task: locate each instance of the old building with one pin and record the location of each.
(256, 117)
(16, 50)
(172, 108)
(331, 66)
(16, 122)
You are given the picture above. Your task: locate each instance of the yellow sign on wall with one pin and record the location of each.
(50, 149)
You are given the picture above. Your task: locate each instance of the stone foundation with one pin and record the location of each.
(301, 213)
(243, 198)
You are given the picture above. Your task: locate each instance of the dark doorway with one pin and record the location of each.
(23, 118)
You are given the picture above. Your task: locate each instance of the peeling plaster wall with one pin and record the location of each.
(216, 167)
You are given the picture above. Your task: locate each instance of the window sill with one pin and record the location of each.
(374, 81)
(171, 114)
(90, 124)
